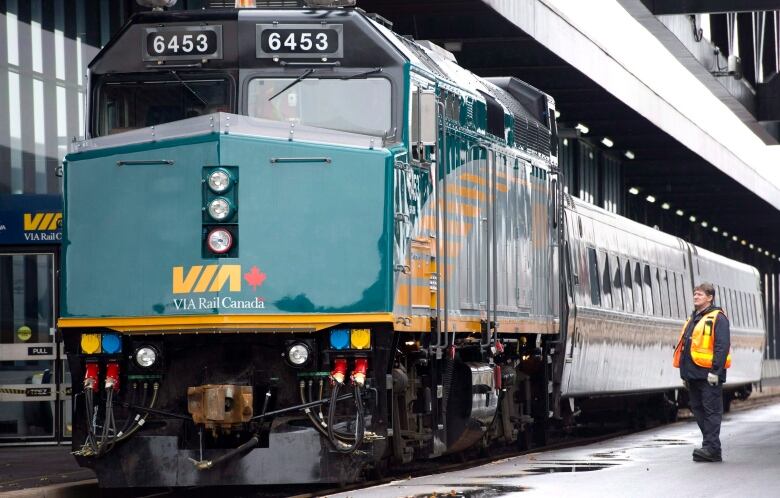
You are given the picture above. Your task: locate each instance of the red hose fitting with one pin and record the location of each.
(497, 377)
(91, 376)
(339, 371)
(112, 376)
(359, 373)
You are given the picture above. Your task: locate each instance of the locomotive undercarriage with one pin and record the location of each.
(230, 409)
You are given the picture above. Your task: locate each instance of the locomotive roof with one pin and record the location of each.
(367, 44)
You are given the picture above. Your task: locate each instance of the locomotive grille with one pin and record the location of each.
(530, 134)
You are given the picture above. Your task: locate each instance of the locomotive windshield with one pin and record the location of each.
(359, 105)
(128, 105)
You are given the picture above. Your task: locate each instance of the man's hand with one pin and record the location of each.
(712, 379)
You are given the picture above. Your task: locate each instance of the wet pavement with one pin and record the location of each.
(649, 464)
(23, 467)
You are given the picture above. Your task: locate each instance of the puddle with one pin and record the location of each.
(553, 468)
(477, 491)
(663, 443)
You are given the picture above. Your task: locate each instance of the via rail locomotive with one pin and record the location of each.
(299, 248)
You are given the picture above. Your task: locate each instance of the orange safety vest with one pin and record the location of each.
(702, 342)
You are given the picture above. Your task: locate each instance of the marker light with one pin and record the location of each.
(111, 343)
(219, 181)
(220, 209)
(145, 356)
(298, 354)
(219, 240)
(339, 339)
(90, 343)
(360, 339)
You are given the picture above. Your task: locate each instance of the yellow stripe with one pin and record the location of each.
(57, 218)
(194, 322)
(31, 222)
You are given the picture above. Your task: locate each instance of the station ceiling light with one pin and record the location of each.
(766, 253)
(679, 212)
(715, 229)
(692, 219)
(734, 238)
(725, 234)
(704, 224)
(607, 141)
(650, 198)
(630, 155)
(751, 246)
(582, 128)
(633, 191)
(665, 206)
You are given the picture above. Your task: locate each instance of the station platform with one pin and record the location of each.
(651, 463)
(25, 470)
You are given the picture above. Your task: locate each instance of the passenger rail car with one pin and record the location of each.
(299, 247)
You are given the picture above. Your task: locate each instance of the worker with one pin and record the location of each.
(702, 355)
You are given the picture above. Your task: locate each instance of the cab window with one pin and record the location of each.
(129, 105)
(358, 106)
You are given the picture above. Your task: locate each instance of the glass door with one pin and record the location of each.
(30, 372)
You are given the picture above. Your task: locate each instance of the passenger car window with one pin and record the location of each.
(628, 289)
(606, 284)
(639, 305)
(617, 283)
(647, 290)
(663, 286)
(593, 276)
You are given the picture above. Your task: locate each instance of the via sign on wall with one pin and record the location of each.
(30, 219)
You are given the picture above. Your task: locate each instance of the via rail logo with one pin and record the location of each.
(204, 279)
(42, 226)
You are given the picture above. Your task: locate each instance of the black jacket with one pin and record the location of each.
(691, 371)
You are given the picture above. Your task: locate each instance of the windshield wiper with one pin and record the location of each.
(295, 82)
(188, 87)
(363, 74)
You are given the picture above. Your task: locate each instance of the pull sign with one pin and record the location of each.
(40, 351)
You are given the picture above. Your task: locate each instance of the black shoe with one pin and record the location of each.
(705, 455)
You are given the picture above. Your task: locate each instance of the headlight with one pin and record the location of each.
(219, 181)
(220, 209)
(298, 354)
(219, 240)
(145, 356)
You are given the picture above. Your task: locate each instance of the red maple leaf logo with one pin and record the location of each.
(255, 278)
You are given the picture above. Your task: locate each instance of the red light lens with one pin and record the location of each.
(219, 240)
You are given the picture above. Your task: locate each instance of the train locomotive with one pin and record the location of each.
(299, 247)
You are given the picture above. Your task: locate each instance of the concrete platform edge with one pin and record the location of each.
(79, 489)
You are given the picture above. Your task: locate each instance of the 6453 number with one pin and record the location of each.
(182, 43)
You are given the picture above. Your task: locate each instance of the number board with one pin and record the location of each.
(182, 42)
(300, 41)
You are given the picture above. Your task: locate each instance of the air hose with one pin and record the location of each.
(360, 429)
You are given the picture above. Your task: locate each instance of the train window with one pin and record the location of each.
(628, 289)
(606, 284)
(617, 283)
(682, 294)
(663, 285)
(657, 302)
(320, 102)
(128, 105)
(638, 299)
(593, 275)
(672, 283)
(647, 290)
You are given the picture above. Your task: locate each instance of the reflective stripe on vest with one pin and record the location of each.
(702, 342)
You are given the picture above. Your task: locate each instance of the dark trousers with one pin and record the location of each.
(707, 406)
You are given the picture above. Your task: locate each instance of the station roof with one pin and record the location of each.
(607, 69)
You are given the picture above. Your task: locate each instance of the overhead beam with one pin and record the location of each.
(665, 7)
